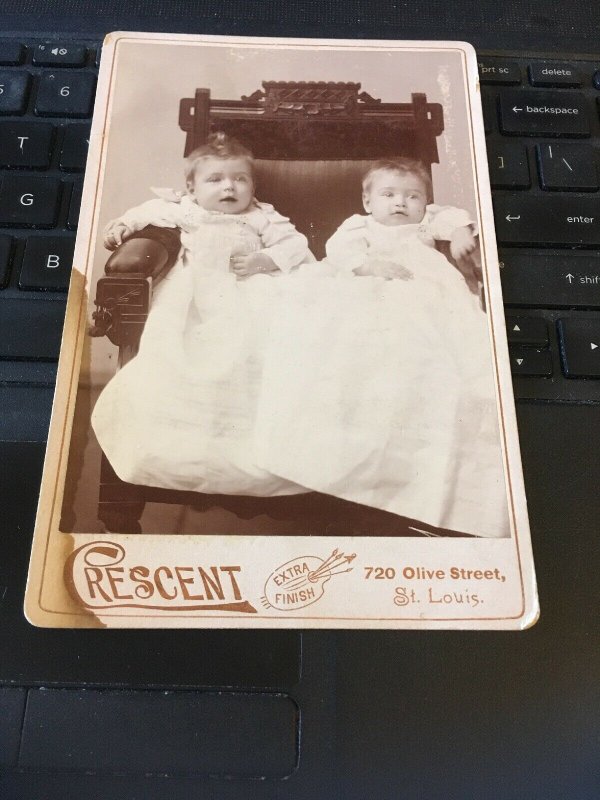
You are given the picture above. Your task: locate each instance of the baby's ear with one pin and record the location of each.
(366, 202)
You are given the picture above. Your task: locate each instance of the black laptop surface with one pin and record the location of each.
(153, 714)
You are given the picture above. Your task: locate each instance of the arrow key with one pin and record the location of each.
(527, 331)
(580, 347)
(530, 363)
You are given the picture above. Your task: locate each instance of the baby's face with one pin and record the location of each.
(396, 199)
(224, 185)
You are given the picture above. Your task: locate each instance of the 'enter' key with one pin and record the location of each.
(553, 221)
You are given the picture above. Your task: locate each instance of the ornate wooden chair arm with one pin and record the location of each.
(123, 296)
(151, 252)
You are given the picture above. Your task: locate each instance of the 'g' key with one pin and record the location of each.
(30, 202)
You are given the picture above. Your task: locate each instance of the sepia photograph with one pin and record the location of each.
(287, 322)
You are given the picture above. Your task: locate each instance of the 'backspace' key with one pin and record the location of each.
(543, 113)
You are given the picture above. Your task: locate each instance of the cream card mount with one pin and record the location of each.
(284, 396)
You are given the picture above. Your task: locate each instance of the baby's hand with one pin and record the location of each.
(390, 270)
(243, 266)
(462, 242)
(115, 234)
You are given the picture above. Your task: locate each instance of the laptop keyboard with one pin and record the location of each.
(542, 131)
(542, 121)
(46, 101)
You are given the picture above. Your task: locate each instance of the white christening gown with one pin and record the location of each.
(376, 391)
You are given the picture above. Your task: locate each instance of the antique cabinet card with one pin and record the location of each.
(284, 396)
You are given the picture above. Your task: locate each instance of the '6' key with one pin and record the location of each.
(65, 94)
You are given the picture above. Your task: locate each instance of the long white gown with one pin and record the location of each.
(376, 391)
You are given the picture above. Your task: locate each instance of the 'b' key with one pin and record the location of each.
(47, 263)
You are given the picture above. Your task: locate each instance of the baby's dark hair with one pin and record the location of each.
(218, 145)
(402, 166)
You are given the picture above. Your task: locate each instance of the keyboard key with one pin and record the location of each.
(580, 347)
(74, 206)
(11, 53)
(550, 280)
(47, 263)
(549, 221)
(5, 251)
(530, 363)
(65, 94)
(498, 71)
(29, 201)
(75, 146)
(538, 113)
(14, 91)
(567, 167)
(31, 329)
(553, 73)
(509, 166)
(26, 144)
(490, 115)
(527, 331)
(59, 55)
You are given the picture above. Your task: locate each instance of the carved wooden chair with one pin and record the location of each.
(304, 137)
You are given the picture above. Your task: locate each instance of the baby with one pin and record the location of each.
(181, 414)
(396, 196)
(221, 222)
